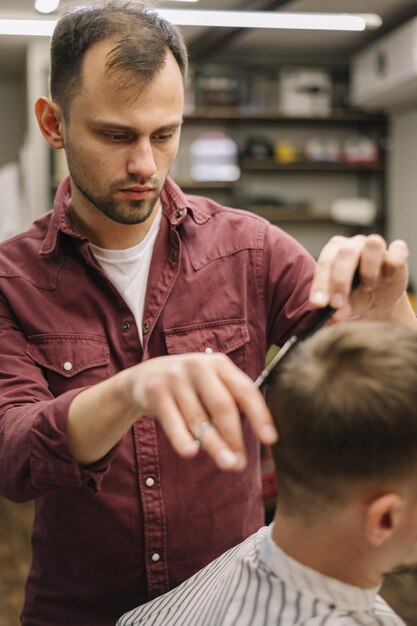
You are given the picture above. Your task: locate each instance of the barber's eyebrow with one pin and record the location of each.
(102, 123)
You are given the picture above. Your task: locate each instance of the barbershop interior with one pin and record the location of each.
(301, 111)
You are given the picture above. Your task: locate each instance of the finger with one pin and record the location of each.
(212, 441)
(205, 400)
(153, 393)
(342, 314)
(335, 257)
(226, 437)
(172, 422)
(335, 270)
(397, 257)
(371, 261)
(251, 402)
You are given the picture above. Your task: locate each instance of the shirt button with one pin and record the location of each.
(125, 327)
(208, 350)
(146, 326)
(67, 366)
(149, 482)
(179, 214)
(155, 557)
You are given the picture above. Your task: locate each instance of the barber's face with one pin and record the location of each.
(121, 139)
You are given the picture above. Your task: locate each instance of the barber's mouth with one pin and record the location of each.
(137, 193)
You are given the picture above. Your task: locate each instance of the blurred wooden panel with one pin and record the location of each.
(400, 591)
(15, 555)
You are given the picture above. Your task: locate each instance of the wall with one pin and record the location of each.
(402, 176)
(38, 155)
(12, 118)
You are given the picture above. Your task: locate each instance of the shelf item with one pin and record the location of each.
(214, 156)
(305, 91)
(359, 211)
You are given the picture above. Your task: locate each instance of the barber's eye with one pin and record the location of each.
(163, 136)
(116, 136)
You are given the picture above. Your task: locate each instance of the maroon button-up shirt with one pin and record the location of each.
(126, 529)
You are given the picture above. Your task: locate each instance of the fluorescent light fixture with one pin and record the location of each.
(35, 28)
(46, 6)
(236, 19)
(279, 20)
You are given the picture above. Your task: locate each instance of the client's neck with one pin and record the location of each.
(333, 546)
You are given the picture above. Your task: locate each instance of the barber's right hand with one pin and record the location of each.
(196, 398)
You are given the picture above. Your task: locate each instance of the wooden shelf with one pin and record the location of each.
(268, 165)
(289, 214)
(239, 115)
(197, 185)
(292, 214)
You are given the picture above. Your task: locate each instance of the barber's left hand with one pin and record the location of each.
(383, 274)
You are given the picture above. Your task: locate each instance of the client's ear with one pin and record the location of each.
(383, 516)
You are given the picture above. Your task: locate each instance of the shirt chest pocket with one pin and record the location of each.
(70, 361)
(228, 336)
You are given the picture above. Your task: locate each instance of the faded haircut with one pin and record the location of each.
(345, 405)
(142, 40)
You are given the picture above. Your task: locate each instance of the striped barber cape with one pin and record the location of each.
(257, 584)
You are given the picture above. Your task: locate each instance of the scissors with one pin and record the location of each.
(319, 318)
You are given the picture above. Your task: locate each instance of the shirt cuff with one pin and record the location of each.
(52, 465)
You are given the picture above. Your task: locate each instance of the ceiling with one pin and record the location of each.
(268, 45)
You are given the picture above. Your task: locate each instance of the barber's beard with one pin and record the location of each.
(122, 212)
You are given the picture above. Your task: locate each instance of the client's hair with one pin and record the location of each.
(345, 404)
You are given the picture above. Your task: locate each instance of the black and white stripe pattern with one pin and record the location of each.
(256, 583)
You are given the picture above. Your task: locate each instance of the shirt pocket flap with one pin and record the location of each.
(68, 355)
(220, 336)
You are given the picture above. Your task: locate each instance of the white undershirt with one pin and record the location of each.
(128, 270)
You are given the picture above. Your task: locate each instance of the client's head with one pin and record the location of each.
(345, 404)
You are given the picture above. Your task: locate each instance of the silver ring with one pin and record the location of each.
(201, 429)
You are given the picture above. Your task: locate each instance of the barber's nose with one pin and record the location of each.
(141, 160)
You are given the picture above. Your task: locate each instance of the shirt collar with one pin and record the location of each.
(60, 220)
(175, 206)
(330, 590)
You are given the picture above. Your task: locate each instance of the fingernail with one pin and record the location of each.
(319, 297)
(241, 460)
(189, 449)
(337, 300)
(226, 459)
(268, 433)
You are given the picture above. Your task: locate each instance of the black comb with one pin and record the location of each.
(318, 319)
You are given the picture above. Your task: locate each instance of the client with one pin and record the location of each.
(345, 404)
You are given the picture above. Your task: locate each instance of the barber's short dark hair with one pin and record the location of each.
(142, 41)
(345, 404)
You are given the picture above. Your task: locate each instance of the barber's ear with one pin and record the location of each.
(49, 116)
(383, 516)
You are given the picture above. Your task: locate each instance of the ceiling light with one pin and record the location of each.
(46, 6)
(263, 19)
(234, 19)
(35, 28)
